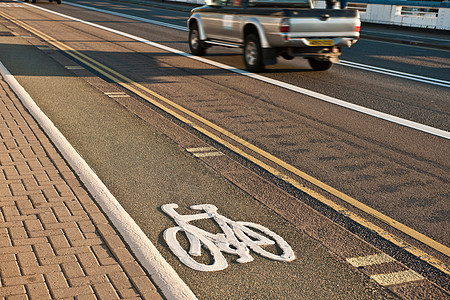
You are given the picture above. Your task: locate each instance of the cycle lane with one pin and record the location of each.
(145, 170)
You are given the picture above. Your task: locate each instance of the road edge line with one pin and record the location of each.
(165, 277)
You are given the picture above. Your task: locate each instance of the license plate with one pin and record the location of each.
(321, 42)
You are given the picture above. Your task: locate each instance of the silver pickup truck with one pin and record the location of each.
(267, 29)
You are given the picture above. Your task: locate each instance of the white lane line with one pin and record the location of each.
(423, 79)
(397, 277)
(348, 105)
(370, 260)
(161, 272)
(154, 22)
(11, 5)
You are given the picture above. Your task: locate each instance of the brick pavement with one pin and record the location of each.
(55, 243)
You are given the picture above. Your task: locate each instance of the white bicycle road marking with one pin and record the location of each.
(236, 238)
(291, 87)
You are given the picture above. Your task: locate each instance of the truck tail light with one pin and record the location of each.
(357, 28)
(285, 26)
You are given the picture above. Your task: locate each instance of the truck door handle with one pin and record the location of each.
(324, 17)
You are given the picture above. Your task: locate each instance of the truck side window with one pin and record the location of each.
(233, 3)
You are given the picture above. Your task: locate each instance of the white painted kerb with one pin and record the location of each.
(161, 272)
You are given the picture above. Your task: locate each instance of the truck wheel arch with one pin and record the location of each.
(269, 54)
(196, 19)
(253, 25)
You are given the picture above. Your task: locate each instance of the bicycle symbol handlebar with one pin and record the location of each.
(236, 238)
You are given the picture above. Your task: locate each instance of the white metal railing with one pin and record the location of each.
(403, 15)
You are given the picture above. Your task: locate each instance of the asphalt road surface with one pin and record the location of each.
(284, 137)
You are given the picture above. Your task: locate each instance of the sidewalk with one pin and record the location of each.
(54, 240)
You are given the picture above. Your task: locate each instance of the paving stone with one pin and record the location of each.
(9, 269)
(18, 297)
(56, 280)
(72, 291)
(72, 270)
(8, 291)
(55, 243)
(27, 259)
(23, 280)
(88, 280)
(105, 291)
(38, 291)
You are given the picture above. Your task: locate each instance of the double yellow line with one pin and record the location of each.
(144, 93)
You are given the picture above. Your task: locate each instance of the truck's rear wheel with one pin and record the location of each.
(319, 65)
(195, 44)
(253, 57)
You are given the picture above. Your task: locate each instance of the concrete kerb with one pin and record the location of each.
(161, 272)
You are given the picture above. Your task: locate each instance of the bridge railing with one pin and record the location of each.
(424, 14)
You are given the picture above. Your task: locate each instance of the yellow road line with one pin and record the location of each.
(143, 92)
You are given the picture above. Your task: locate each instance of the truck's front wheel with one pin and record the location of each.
(319, 65)
(195, 44)
(253, 57)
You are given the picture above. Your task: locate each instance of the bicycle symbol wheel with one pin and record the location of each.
(255, 240)
(219, 261)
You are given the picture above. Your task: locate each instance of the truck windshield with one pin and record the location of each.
(280, 3)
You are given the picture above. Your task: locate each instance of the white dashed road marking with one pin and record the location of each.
(397, 277)
(388, 278)
(204, 152)
(369, 260)
(74, 67)
(117, 95)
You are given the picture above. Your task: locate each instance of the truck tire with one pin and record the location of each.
(253, 57)
(319, 65)
(59, 1)
(195, 44)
